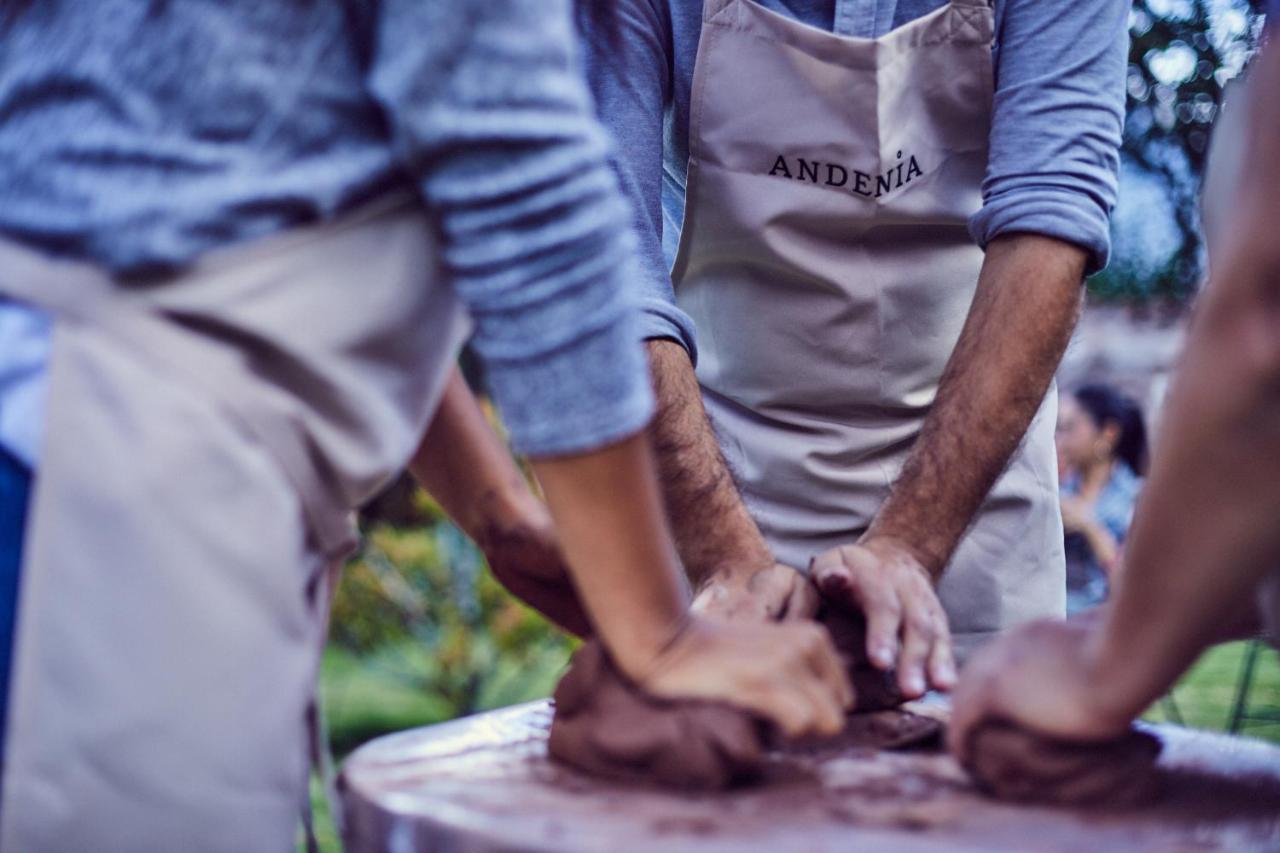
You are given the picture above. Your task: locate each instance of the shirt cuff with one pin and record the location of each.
(587, 395)
(1062, 214)
(663, 320)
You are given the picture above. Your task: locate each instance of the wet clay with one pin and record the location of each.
(603, 725)
(874, 689)
(1011, 763)
(872, 731)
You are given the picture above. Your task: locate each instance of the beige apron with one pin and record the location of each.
(205, 442)
(826, 261)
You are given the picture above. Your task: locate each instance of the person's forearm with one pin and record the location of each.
(1205, 530)
(1103, 545)
(618, 549)
(466, 467)
(714, 533)
(1025, 309)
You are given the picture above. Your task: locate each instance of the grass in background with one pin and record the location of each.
(1206, 695)
(422, 633)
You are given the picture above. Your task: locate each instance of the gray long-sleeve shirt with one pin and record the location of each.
(1055, 135)
(139, 134)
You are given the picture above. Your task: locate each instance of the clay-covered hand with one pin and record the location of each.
(1029, 723)
(1013, 763)
(524, 554)
(772, 594)
(787, 673)
(604, 725)
(1039, 676)
(906, 625)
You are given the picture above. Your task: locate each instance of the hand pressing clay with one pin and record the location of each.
(874, 689)
(876, 722)
(1011, 763)
(605, 726)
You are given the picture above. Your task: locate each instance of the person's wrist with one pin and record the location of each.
(645, 651)
(735, 572)
(1108, 699)
(886, 541)
(508, 507)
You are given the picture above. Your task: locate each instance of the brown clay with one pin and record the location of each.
(1011, 763)
(872, 731)
(607, 727)
(874, 689)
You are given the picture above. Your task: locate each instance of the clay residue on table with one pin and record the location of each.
(873, 731)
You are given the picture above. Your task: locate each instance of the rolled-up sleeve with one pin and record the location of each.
(1057, 122)
(489, 113)
(628, 66)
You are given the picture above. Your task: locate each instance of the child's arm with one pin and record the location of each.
(470, 472)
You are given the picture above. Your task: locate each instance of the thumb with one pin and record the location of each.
(802, 602)
(831, 575)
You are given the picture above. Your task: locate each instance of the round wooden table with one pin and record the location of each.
(485, 783)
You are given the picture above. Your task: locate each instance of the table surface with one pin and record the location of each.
(485, 783)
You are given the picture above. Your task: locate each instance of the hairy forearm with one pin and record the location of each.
(1025, 308)
(713, 531)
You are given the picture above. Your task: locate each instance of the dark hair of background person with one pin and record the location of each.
(1105, 405)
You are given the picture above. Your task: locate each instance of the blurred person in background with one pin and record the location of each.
(240, 245)
(1102, 449)
(1200, 564)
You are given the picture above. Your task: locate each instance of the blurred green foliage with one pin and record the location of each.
(421, 632)
(1183, 54)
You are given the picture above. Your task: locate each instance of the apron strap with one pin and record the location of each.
(711, 8)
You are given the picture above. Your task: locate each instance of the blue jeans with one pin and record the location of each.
(15, 488)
